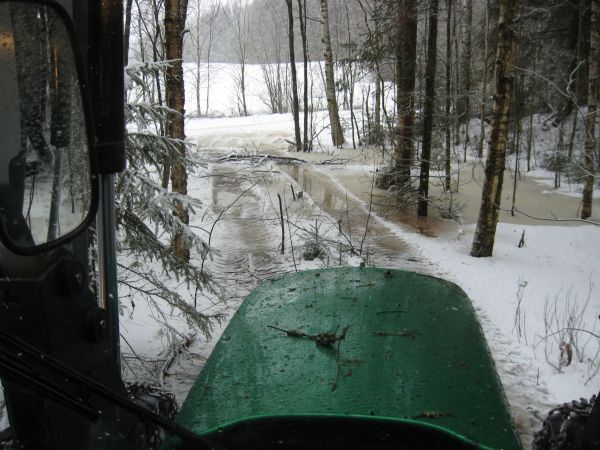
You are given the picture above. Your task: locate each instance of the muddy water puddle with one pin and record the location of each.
(535, 204)
(244, 250)
(244, 203)
(346, 205)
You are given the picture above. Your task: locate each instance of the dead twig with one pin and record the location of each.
(292, 333)
(326, 339)
(431, 415)
(337, 359)
(406, 333)
(570, 329)
(262, 158)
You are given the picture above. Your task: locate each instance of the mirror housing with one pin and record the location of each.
(48, 163)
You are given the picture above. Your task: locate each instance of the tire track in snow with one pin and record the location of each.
(243, 236)
(244, 255)
(248, 255)
(384, 247)
(526, 398)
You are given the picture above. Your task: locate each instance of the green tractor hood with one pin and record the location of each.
(351, 358)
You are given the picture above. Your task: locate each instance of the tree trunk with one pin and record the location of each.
(406, 62)
(532, 98)
(337, 134)
(483, 243)
(158, 48)
(174, 25)
(350, 78)
(590, 119)
(239, 13)
(141, 50)
(127, 32)
(302, 16)
(198, 60)
(429, 108)
(295, 105)
(567, 104)
(208, 55)
(484, 81)
(377, 134)
(578, 77)
(463, 106)
(244, 110)
(457, 76)
(518, 91)
(448, 168)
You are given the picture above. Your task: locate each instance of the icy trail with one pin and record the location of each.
(335, 194)
(557, 265)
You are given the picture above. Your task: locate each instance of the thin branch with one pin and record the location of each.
(569, 329)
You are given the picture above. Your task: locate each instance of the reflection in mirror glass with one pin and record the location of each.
(45, 181)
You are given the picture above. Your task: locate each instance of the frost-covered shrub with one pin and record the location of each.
(315, 245)
(386, 177)
(147, 267)
(313, 250)
(555, 161)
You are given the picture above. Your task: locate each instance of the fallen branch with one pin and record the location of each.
(327, 339)
(567, 329)
(550, 219)
(431, 415)
(338, 364)
(406, 333)
(392, 311)
(261, 158)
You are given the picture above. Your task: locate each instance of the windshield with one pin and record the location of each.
(335, 213)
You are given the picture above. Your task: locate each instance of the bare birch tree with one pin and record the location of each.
(201, 39)
(337, 134)
(213, 15)
(484, 80)
(295, 103)
(448, 108)
(590, 120)
(127, 31)
(303, 18)
(483, 242)
(240, 22)
(463, 103)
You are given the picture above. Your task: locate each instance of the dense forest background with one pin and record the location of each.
(431, 83)
(430, 65)
(450, 95)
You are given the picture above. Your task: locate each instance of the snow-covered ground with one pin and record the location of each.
(529, 300)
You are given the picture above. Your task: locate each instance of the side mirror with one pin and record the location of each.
(48, 185)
